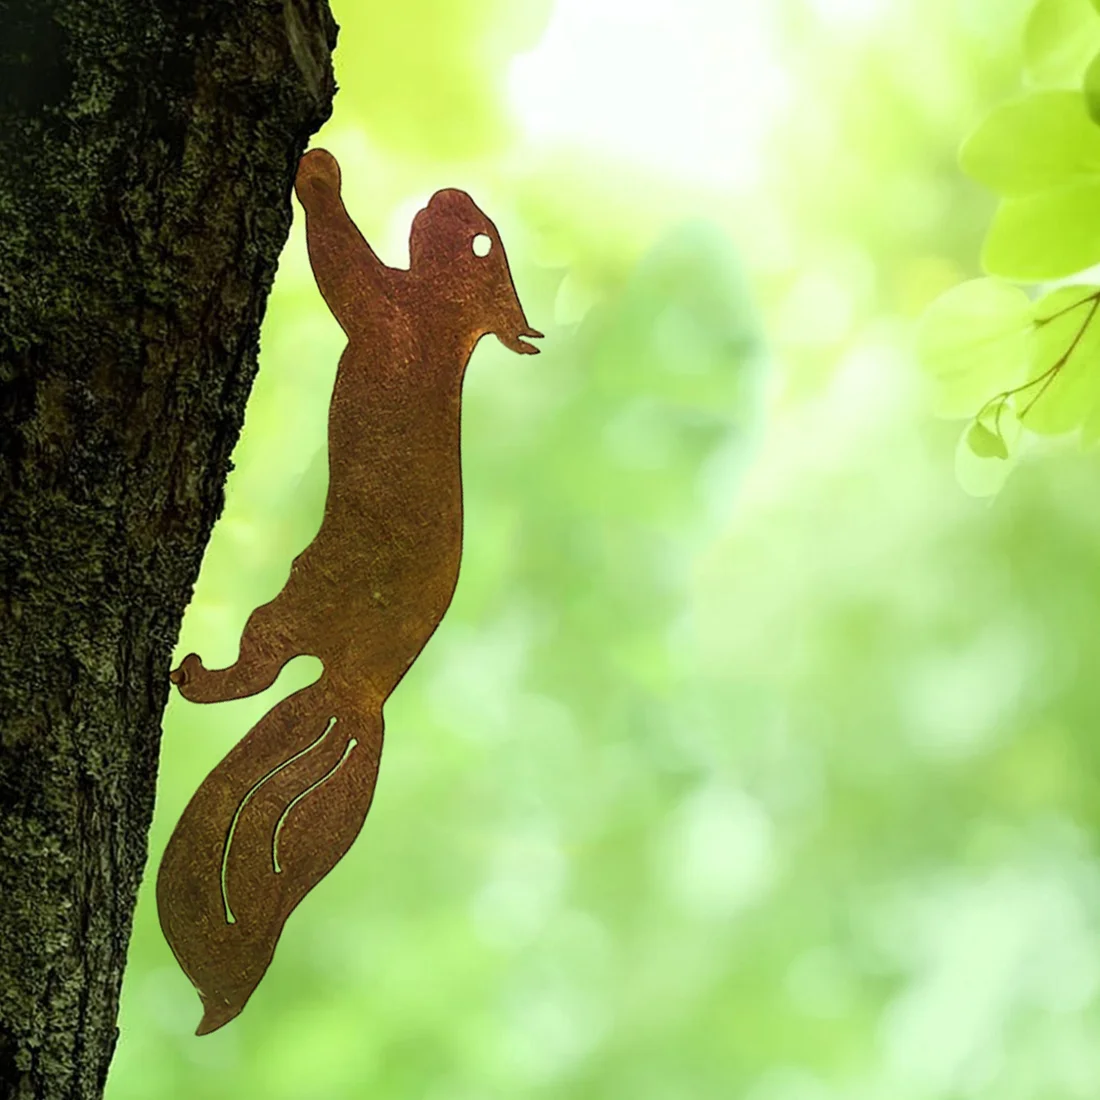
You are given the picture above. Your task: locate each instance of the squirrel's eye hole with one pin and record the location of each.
(482, 244)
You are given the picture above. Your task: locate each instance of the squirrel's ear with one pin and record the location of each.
(455, 205)
(448, 199)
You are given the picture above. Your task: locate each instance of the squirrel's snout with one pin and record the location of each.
(518, 344)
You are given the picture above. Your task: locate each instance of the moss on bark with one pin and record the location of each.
(147, 153)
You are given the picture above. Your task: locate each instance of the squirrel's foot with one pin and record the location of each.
(189, 667)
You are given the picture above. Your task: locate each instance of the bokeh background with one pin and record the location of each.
(755, 759)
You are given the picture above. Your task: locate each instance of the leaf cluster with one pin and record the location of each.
(1016, 352)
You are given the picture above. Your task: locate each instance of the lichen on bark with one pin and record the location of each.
(147, 153)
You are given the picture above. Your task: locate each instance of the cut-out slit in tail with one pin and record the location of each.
(229, 917)
(298, 798)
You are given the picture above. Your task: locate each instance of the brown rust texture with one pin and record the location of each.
(276, 815)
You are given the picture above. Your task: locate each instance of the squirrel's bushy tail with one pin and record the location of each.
(267, 824)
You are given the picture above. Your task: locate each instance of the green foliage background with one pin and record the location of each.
(1020, 363)
(754, 758)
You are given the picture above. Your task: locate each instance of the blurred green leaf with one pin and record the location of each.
(986, 443)
(1060, 38)
(1092, 89)
(972, 341)
(1045, 236)
(1065, 362)
(1041, 141)
(981, 475)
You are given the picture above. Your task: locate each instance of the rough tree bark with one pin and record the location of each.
(147, 152)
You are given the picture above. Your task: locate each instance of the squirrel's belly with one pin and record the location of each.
(388, 563)
(396, 624)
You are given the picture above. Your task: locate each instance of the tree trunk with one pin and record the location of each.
(147, 153)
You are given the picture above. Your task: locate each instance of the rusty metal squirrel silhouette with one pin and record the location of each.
(277, 814)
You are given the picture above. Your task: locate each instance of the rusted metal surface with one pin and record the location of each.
(274, 817)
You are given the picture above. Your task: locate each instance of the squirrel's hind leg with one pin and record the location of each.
(264, 651)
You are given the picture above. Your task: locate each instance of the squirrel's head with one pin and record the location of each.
(454, 247)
